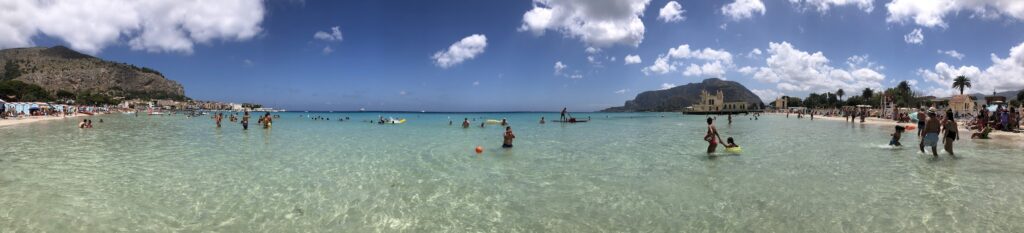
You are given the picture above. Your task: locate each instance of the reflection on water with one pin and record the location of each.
(620, 172)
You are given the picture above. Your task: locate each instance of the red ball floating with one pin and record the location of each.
(479, 149)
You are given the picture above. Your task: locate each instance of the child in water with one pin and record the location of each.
(730, 143)
(895, 141)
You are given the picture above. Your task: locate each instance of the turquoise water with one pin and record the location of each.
(618, 173)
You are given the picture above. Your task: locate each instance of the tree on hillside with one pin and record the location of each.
(840, 93)
(961, 82)
(11, 70)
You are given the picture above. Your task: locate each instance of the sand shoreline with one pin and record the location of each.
(34, 119)
(999, 137)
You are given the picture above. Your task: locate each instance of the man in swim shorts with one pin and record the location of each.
(931, 133)
(509, 136)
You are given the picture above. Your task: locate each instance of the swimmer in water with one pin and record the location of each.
(542, 120)
(465, 123)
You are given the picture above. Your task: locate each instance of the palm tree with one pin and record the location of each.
(961, 82)
(840, 93)
(867, 93)
(904, 93)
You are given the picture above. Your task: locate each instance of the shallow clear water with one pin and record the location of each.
(620, 172)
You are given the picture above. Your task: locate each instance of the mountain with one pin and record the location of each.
(680, 97)
(62, 69)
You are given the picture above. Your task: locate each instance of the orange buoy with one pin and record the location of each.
(911, 127)
(479, 149)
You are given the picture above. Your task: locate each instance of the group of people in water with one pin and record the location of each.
(266, 121)
(86, 124)
(931, 127)
(713, 138)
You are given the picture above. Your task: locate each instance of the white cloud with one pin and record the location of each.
(1005, 74)
(559, 67)
(334, 35)
(666, 86)
(592, 50)
(596, 23)
(327, 50)
(793, 70)
(952, 53)
(672, 12)
(754, 53)
(914, 37)
(248, 62)
(931, 13)
(154, 26)
(632, 59)
(709, 69)
(576, 76)
(824, 5)
(742, 9)
(465, 49)
(767, 95)
(717, 62)
(476, 83)
(402, 93)
(622, 91)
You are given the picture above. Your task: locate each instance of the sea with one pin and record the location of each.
(619, 172)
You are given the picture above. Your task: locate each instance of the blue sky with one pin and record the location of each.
(384, 59)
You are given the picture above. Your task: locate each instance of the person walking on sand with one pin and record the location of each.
(931, 133)
(217, 118)
(712, 136)
(951, 133)
(245, 121)
(509, 136)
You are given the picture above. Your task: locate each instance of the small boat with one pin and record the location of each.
(573, 120)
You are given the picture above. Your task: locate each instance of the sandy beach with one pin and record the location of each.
(33, 119)
(1001, 137)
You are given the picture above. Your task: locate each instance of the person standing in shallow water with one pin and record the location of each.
(509, 136)
(951, 132)
(931, 134)
(712, 136)
(245, 121)
(218, 118)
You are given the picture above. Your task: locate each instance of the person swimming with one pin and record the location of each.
(895, 141)
(508, 137)
(465, 123)
(542, 120)
(504, 122)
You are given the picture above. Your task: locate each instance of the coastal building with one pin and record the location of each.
(716, 104)
(961, 104)
(782, 102)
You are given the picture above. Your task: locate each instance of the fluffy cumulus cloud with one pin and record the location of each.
(1005, 74)
(716, 62)
(597, 23)
(155, 26)
(931, 13)
(952, 53)
(632, 59)
(334, 35)
(824, 5)
(754, 53)
(767, 95)
(793, 70)
(672, 12)
(465, 49)
(559, 67)
(914, 37)
(742, 9)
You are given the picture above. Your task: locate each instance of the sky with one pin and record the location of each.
(537, 55)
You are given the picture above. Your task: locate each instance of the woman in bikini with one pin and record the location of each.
(712, 136)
